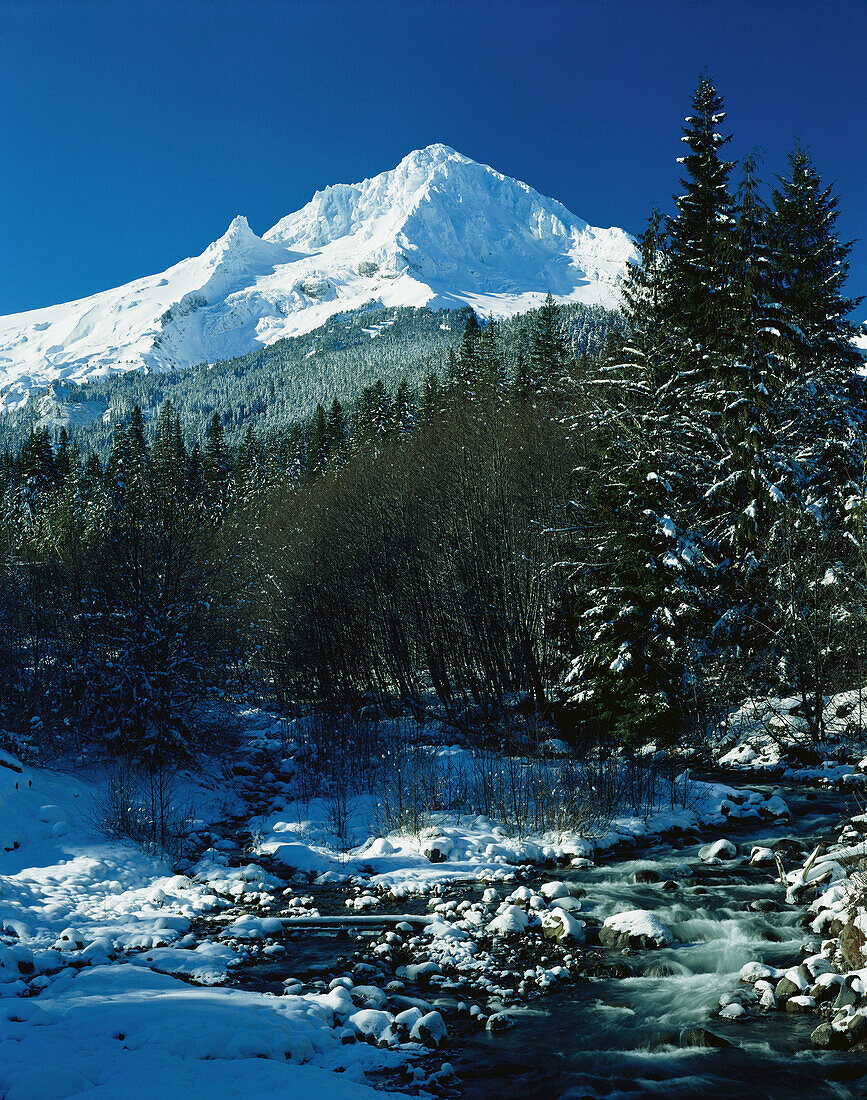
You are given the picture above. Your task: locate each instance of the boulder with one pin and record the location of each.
(405, 1021)
(560, 925)
(701, 1037)
(500, 1021)
(787, 988)
(429, 1030)
(638, 929)
(695, 1037)
(719, 849)
(439, 850)
(421, 973)
(512, 921)
(373, 1025)
(846, 996)
(640, 877)
(828, 1038)
(856, 1029)
(853, 946)
(556, 889)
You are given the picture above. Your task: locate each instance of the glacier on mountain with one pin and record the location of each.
(439, 230)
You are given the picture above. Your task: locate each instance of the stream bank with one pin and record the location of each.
(532, 1016)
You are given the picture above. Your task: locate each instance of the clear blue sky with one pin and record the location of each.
(134, 130)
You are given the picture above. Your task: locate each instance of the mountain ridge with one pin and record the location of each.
(438, 230)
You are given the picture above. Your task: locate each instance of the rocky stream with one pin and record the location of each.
(609, 1011)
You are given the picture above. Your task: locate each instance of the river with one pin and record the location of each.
(623, 1037)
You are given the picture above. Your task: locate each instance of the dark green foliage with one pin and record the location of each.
(317, 453)
(698, 233)
(408, 552)
(715, 521)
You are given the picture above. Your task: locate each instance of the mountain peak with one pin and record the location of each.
(238, 235)
(238, 227)
(433, 155)
(439, 229)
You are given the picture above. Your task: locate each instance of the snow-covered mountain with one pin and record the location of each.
(439, 230)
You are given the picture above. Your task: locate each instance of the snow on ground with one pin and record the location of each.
(460, 847)
(93, 936)
(109, 986)
(121, 1031)
(767, 734)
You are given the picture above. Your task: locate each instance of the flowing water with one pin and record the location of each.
(602, 1039)
(626, 1037)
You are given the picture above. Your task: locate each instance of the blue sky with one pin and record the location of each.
(132, 132)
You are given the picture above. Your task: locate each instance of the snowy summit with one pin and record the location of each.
(438, 230)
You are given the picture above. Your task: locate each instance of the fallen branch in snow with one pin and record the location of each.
(352, 922)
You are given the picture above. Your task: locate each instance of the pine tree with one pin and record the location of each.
(468, 355)
(644, 620)
(522, 383)
(63, 459)
(372, 423)
(548, 357)
(749, 376)
(404, 413)
(216, 471)
(492, 382)
(695, 297)
(812, 266)
(36, 466)
(431, 399)
(335, 433)
(317, 451)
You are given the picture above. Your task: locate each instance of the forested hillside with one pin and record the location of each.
(272, 389)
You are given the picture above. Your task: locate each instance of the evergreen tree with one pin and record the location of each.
(696, 298)
(643, 624)
(195, 475)
(812, 266)
(749, 378)
(548, 357)
(468, 356)
(335, 433)
(492, 381)
(63, 459)
(404, 414)
(317, 448)
(522, 383)
(36, 466)
(373, 422)
(215, 471)
(431, 399)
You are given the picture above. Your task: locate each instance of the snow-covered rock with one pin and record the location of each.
(551, 890)
(512, 921)
(429, 1029)
(558, 924)
(719, 849)
(639, 929)
(373, 1025)
(439, 849)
